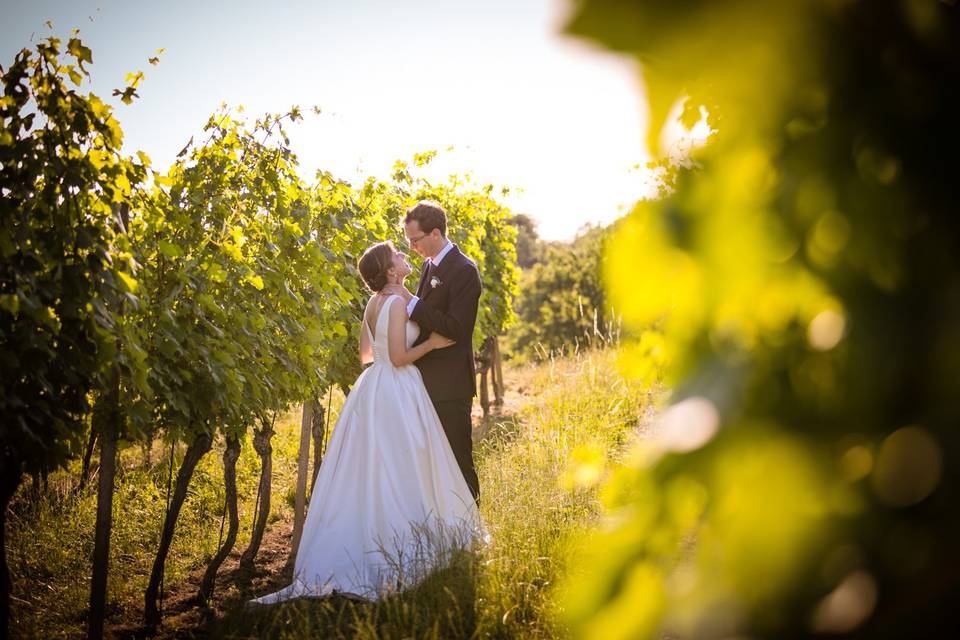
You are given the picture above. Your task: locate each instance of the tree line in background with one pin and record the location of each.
(184, 305)
(561, 306)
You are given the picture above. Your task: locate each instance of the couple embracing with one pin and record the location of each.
(397, 490)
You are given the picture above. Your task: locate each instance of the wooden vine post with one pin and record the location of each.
(300, 503)
(496, 366)
(483, 362)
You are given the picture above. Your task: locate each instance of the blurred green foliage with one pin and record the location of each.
(799, 282)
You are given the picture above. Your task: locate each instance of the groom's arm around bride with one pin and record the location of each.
(455, 314)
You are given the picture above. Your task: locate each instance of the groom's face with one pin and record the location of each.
(426, 244)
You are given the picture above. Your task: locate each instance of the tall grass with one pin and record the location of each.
(534, 502)
(572, 404)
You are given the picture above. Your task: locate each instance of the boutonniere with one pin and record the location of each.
(435, 282)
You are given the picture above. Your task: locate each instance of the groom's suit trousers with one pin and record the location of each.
(455, 418)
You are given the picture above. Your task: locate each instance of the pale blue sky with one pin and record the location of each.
(521, 104)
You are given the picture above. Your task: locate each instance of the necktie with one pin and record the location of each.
(429, 274)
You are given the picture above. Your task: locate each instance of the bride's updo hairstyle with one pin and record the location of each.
(373, 265)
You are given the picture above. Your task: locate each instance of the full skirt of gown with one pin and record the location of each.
(390, 503)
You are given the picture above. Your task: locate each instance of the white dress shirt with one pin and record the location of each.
(436, 262)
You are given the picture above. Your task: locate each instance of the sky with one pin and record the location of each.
(519, 104)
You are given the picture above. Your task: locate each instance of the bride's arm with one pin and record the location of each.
(396, 339)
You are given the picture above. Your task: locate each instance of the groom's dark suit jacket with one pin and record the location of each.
(450, 309)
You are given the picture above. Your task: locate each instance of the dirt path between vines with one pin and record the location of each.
(182, 615)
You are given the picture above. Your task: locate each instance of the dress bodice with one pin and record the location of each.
(378, 339)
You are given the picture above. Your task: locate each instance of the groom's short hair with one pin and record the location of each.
(429, 215)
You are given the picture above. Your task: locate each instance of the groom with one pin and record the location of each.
(446, 302)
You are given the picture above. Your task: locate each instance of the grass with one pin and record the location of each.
(535, 520)
(536, 503)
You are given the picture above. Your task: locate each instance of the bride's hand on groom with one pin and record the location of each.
(438, 341)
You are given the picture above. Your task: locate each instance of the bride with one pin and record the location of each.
(390, 501)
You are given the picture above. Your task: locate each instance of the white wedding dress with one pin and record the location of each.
(390, 503)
